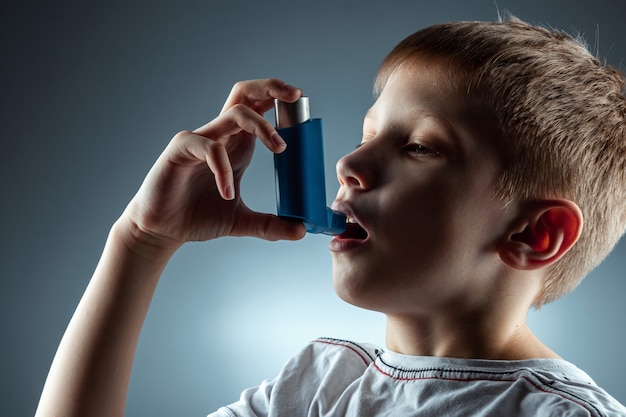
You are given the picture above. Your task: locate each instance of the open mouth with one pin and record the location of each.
(353, 230)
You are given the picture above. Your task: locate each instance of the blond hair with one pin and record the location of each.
(560, 115)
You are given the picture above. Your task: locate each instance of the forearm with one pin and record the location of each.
(90, 372)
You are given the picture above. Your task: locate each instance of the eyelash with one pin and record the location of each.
(417, 150)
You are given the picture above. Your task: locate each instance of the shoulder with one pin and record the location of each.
(574, 386)
(316, 378)
(327, 356)
(364, 353)
(544, 387)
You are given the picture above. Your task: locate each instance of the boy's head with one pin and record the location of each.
(559, 114)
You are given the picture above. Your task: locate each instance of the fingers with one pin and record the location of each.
(242, 112)
(188, 148)
(259, 95)
(194, 148)
(244, 109)
(219, 163)
(242, 118)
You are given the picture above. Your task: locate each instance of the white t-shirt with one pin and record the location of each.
(333, 377)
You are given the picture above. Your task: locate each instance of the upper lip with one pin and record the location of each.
(346, 208)
(342, 207)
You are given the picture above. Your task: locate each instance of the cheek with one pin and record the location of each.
(420, 217)
(430, 230)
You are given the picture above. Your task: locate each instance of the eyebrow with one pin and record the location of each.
(421, 114)
(443, 122)
(417, 113)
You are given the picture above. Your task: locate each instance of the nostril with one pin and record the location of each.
(352, 181)
(348, 174)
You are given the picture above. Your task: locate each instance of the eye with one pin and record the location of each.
(417, 150)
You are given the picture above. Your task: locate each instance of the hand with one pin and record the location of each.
(192, 191)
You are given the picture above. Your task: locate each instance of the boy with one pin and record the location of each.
(487, 146)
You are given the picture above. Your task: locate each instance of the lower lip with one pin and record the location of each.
(342, 245)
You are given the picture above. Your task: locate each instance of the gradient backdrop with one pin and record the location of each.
(91, 92)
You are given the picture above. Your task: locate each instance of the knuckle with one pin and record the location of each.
(221, 173)
(180, 138)
(214, 149)
(266, 129)
(243, 115)
(275, 82)
(264, 230)
(238, 87)
(182, 135)
(218, 154)
(239, 109)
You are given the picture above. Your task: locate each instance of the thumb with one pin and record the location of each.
(269, 227)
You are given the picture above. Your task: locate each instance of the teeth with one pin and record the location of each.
(350, 220)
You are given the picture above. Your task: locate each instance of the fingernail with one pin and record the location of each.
(290, 88)
(229, 192)
(278, 141)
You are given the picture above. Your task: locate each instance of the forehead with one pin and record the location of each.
(422, 91)
(428, 81)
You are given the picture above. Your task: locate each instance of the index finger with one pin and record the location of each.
(259, 95)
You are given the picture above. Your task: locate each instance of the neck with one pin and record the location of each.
(466, 335)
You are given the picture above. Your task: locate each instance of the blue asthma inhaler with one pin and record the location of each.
(300, 180)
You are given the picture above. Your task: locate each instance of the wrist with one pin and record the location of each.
(142, 243)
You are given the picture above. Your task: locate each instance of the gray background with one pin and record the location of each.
(90, 92)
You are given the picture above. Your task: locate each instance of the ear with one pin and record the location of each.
(549, 228)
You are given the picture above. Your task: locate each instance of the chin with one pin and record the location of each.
(357, 288)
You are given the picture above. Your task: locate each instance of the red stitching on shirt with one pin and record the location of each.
(338, 343)
(539, 387)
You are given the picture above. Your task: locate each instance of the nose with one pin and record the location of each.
(356, 170)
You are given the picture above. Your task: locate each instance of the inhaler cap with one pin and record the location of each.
(291, 114)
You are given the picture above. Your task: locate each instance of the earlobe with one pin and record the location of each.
(550, 228)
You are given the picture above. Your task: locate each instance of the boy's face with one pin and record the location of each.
(420, 185)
